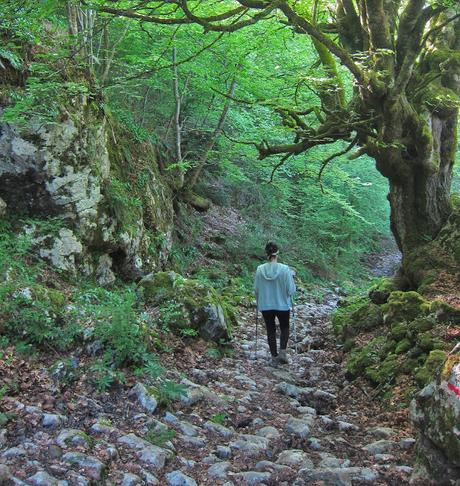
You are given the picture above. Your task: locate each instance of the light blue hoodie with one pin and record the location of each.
(274, 286)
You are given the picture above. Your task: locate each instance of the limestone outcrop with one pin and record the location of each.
(107, 210)
(435, 412)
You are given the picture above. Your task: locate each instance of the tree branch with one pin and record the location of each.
(342, 54)
(168, 66)
(326, 161)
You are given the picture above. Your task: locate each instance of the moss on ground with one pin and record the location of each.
(407, 343)
(384, 372)
(380, 291)
(405, 306)
(355, 316)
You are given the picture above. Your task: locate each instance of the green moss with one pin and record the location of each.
(451, 361)
(380, 291)
(159, 286)
(357, 315)
(399, 330)
(421, 324)
(425, 342)
(384, 372)
(445, 312)
(405, 306)
(53, 297)
(126, 207)
(183, 303)
(389, 347)
(403, 346)
(423, 377)
(366, 356)
(433, 363)
(409, 366)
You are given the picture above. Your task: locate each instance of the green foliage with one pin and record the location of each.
(32, 314)
(219, 418)
(104, 376)
(189, 332)
(152, 369)
(126, 207)
(159, 438)
(42, 98)
(168, 391)
(121, 334)
(127, 120)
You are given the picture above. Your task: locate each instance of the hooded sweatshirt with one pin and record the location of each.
(274, 286)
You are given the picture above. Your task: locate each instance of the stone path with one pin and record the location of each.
(241, 423)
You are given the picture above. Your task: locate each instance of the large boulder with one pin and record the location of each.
(187, 304)
(435, 412)
(71, 184)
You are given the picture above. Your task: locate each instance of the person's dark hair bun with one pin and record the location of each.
(271, 249)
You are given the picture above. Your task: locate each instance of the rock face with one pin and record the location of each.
(79, 172)
(435, 412)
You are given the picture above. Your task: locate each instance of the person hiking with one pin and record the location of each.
(274, 286)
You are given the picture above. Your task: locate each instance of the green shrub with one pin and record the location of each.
(123, 338)
(104, 375)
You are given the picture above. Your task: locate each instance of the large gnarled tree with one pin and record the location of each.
(404, 57)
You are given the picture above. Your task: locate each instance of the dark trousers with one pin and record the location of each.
(283, 318)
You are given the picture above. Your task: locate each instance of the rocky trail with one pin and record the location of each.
(240, 423)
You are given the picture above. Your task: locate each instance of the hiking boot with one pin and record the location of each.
(274, 361)
(282, 357)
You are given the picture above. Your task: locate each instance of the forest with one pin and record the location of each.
(149, 150)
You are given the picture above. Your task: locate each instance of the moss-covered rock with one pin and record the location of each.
(425, 342)
(421, 324)
(403, 346)
(445, 312)
(409, 366)
(368, 355)
(435, 412)
(356, 315)
(384, 372)
(187, 303)
(433, 364)
(380, 291)
(53, 297)
(111, 207)
(399, 330)
(405, 306)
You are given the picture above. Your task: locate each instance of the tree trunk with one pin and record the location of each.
(210, 145)
(420, 186)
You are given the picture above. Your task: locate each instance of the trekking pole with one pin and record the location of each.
(294, 327)
(294, 330)
(257, 331)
